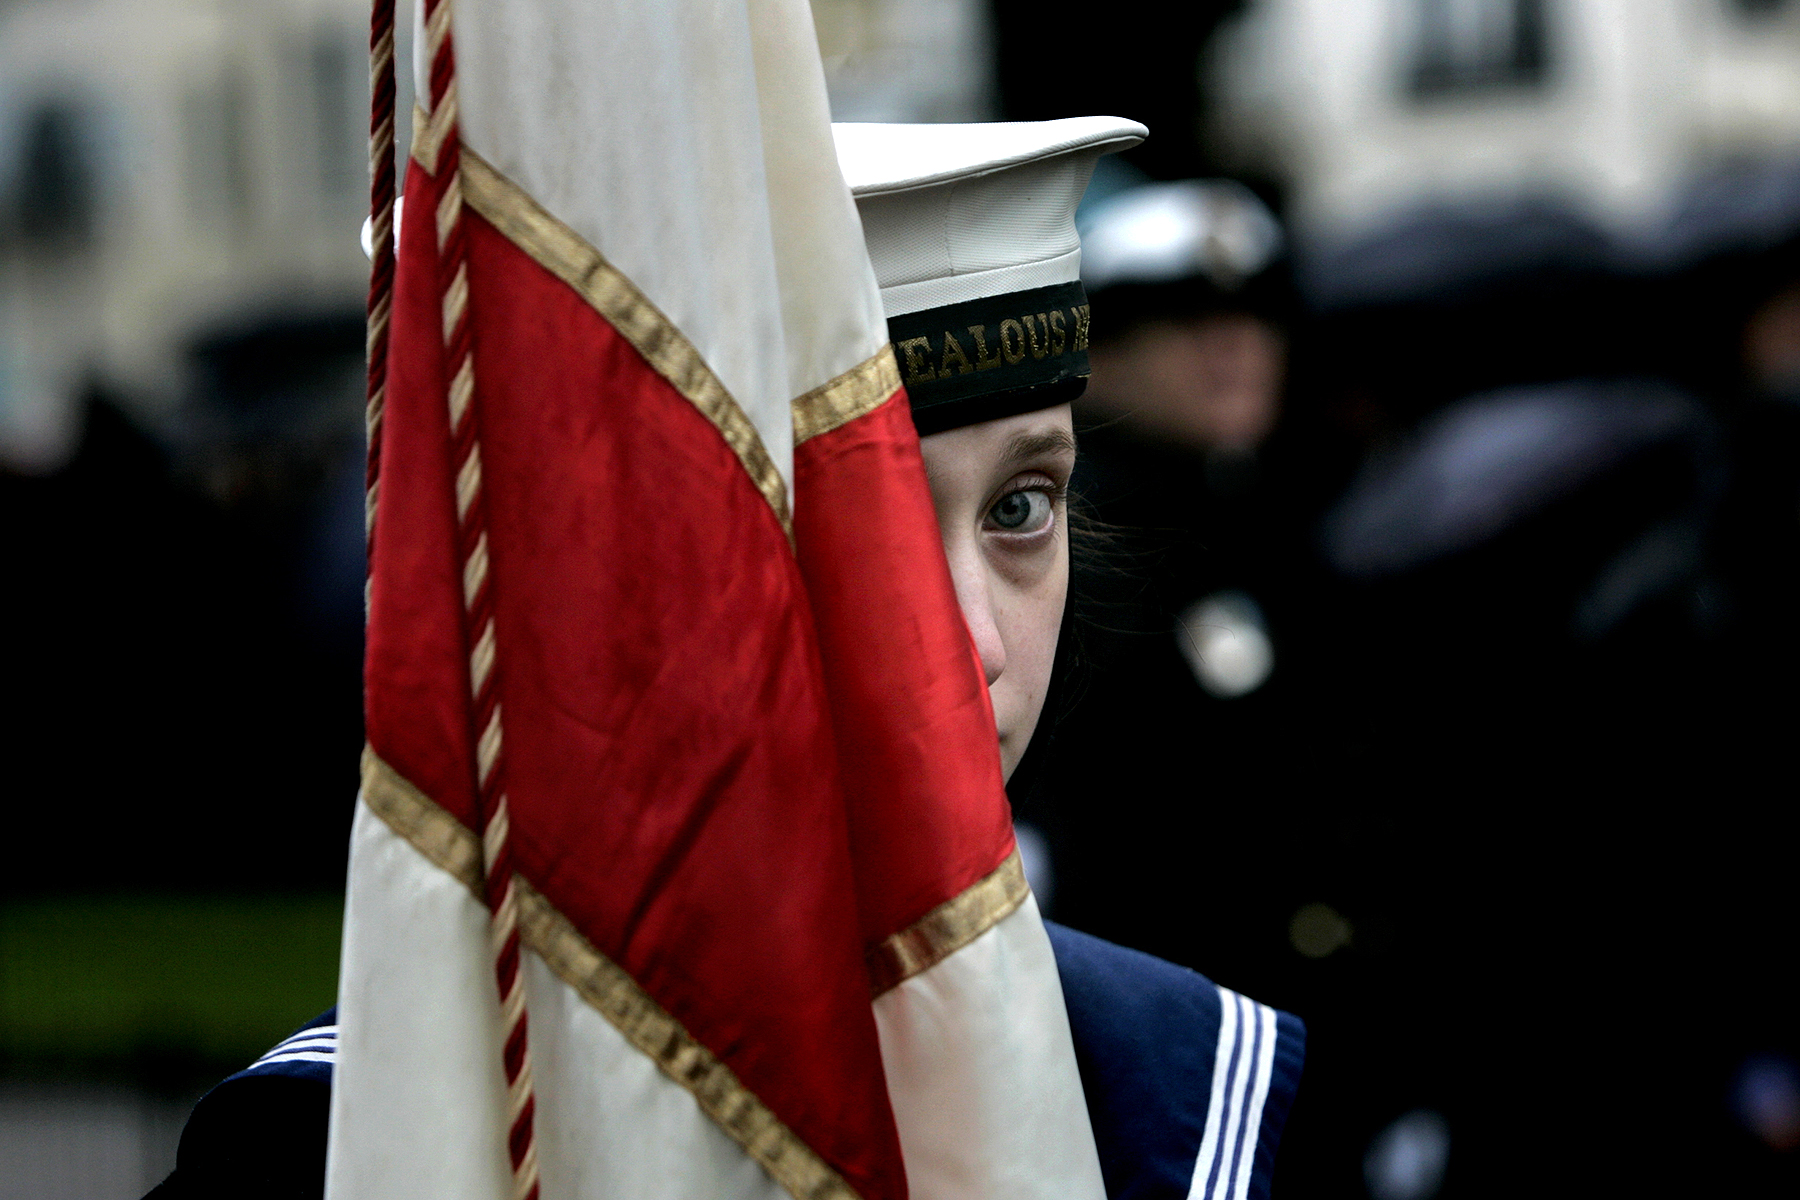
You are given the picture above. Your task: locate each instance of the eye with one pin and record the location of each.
(1025, 511)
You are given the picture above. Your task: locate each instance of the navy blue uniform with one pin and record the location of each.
(262, 1132)
(1188, 1085)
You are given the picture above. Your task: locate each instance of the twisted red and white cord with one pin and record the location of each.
(478, 605)
(381, 225)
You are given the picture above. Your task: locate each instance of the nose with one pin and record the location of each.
(970, 577)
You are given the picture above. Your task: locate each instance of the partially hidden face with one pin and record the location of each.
(1000, 490)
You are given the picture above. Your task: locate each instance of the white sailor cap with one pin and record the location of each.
(971, 231)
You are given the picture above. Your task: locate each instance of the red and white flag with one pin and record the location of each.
(682, 865)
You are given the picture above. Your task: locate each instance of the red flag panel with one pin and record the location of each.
(915, 727)
(672, 778)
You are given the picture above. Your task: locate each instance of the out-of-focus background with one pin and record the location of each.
(1434, 659)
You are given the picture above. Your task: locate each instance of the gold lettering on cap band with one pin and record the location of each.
(913, 352)
(953, 353)
(982, 361)
(1012, 341)
(959, 354)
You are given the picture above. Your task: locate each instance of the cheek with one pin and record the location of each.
(1032, 621)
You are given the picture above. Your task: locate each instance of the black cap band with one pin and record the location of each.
(993, 357)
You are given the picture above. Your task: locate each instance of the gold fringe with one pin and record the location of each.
(857, 392)
(564, 253)
(609, 990)
(948, 927)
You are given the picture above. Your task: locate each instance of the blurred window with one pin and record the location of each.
(1762, 8)
(339, 99)
(1475, 45)
(214, 133)
(54, 201)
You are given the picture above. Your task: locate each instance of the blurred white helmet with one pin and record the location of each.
(1166, 232)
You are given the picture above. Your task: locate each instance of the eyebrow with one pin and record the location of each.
(1027, 446)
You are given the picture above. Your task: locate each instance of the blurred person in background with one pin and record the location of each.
(1191, 349)
(1179, 613)
(1190, 365)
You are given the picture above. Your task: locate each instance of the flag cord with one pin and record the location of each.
(381, 225)
(471, 519)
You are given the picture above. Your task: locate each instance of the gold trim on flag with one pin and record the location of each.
(608, 989)
(856, 393)
(948, 927)
(419, 819)
(565, 254)
(646, 1025)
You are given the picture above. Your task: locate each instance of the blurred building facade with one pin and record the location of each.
(176, 170)
(168, 169)
(908, 60)
(1602, 112)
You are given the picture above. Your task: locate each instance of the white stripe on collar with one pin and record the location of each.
(1243, 1065)
(318, 1044)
